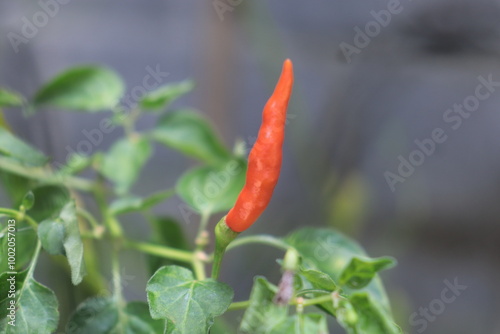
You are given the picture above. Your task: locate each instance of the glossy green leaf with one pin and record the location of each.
(188, 304)
(18, 150)
(50, 200)
(73, 245)
(190, 133)
(86, 88)
(212, 189)
(36, 306)
(360, 271)
(124, 162)
(51, 235)
(133, 203)
(262, 315)
(161, 97)
(102, 315)
(10, 99)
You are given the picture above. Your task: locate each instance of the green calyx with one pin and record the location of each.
(223, 237)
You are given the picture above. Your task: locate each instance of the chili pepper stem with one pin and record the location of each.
(223, 237)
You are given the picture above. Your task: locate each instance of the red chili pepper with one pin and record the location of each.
(264, 161)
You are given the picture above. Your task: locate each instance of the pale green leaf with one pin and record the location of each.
(191, 134)
(212, 189)
(189, 305)
(86, 88)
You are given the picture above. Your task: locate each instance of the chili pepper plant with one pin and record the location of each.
(74, 212)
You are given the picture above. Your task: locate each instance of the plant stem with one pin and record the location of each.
(199, 268)
(163, 251)
(37, 173)
(117, 279)
(314, 301)
(34, 260)
(259, 239)
(88, 216)
(20, 216)
(239, 305)
(201, 243)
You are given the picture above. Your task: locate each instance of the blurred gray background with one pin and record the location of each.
(352, 117)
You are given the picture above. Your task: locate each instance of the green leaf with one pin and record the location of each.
(124, 162)
(73, 244)
(25, 239)
(161, 97)
(51, 235)
(36, 307)
(28, 200)
(10, 99)
(360, 271)
(310, 323)
(262, 315)
(167, 232)
(188, 304)
(330, 252)
(102, 315)
(189, 133)
(50, 200)
(134, 203)
(19, 151)
(87, 88)
(319, 280)
(372, 317)
(212, 189)
(15, 187)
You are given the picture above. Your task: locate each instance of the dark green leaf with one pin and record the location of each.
(15, 187)
(25, 239)
(73, 245)
(161, 97)
(189, 305)
(28, 200)
(49, 202)
(36, 307)
(262, 315)
(191, 134)
(19, 151)
(102, 315)
(212, 189)
(86, 88)
(124, 162)
(51, 235)
(360, 271)
(10, 99)
(133, 203)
